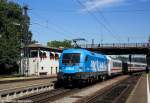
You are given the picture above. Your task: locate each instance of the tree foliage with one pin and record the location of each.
(57, 44)
(11, 32)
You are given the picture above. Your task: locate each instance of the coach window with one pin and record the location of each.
(114, 64)
(119, 64)
(136, 65)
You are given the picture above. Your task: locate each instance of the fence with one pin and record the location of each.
(117, 45)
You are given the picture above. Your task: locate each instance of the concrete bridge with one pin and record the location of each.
(109, 49)
(121, 49)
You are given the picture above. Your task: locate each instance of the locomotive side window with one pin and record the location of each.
(86, 58)
(71, 58)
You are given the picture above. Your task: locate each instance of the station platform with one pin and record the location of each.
(11, 83)
(8, 79)
(141, 93)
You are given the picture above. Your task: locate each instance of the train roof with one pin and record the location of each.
(74, 50)
(84, 51)
(137, 63)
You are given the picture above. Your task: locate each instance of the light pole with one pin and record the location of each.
(26, 39)
(128, 40)
(20, 65)
(149, 39)
(130, 59)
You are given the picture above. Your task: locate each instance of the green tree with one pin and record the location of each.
(57, 44)
(10, 35)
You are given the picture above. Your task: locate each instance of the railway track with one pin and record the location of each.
(112, 91)
(76, 96)
(115, 94)
(45, 96)
(9, 91)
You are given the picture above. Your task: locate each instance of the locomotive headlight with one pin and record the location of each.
(69, 78)
(78, 75)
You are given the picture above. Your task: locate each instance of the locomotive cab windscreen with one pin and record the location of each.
(71, 58)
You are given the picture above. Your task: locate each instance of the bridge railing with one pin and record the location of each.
(117, 45)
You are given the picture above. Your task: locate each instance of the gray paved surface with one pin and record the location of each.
(139, 93)
(24, 83)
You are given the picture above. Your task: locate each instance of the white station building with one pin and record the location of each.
(42, 61)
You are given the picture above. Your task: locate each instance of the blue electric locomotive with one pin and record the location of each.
(79, 66)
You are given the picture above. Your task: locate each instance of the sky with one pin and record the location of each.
(105, 21)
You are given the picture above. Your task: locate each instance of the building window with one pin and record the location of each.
(42, 68)
(52, 56)
(33, 54)
(44, 55)
(56, 56)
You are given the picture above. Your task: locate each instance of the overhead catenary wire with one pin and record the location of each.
(98, 21)
(56, 29)
(128, 11)
(60, 33)
(57, 26)
(108, 23)
(68, 32)
(105, 11)
(73, 10)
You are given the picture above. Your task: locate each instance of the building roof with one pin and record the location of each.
(42, 47)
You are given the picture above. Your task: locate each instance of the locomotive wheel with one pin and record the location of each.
(103, 78)
(88, 81)
(91, 80)
(80, 84)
